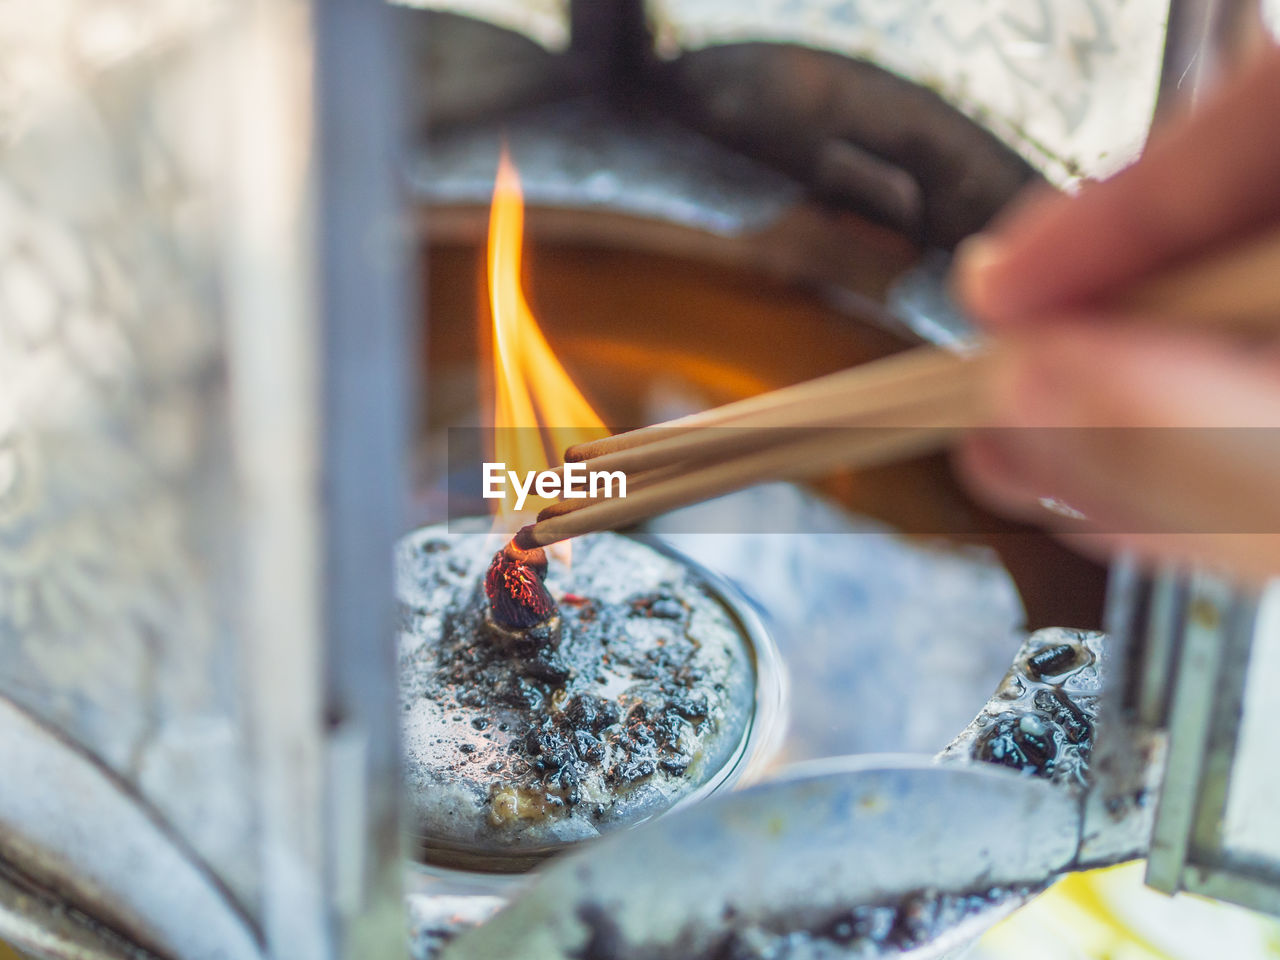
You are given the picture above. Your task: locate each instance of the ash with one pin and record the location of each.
(519, 742)
(903, 927)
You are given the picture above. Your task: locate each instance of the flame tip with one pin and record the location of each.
(533, 390)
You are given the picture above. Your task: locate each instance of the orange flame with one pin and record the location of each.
(538, 411)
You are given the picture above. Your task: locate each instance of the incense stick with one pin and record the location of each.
(897, 391)
(910, 403)
(894, 420)
(788, 461)
(1237, 288)
(918, 366)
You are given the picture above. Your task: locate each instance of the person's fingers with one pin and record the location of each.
(1206, 179)
(1254, 557)
(992, 477)
(990, 470)
(1085, 372)
(1145, 434)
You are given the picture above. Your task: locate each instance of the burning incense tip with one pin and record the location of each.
(524, 542)
(518, 598)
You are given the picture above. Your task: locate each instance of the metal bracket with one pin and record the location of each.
(1189, 846)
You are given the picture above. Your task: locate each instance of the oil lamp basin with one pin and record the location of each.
(649, 688)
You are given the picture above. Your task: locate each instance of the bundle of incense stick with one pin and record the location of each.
(902, 405)
(890, 409)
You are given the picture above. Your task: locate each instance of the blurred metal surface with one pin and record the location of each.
(545, 21)
(860, 616)
(1194, 708)
(1071, 85)
(47, 928)
(789, 854)
(1204, 41)
(1200, 672)
(74, 828)
(636, 131)
(581, 155)
(364, 261)
(921, 300)
(200, 419)
(1128, 759)
(118, 620)
(316, 317)
(1250, 829)
(1203, 841)
(854, 133)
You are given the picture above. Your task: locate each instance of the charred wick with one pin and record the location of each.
(518, 596)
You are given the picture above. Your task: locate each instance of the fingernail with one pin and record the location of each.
(971, 272)
(1062, 508)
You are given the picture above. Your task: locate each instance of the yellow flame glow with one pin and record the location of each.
(538, 410)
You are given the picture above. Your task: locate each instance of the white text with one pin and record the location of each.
(572, 482)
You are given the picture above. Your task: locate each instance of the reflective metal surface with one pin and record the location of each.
(114, 486)
(784, 853)
(634, 130)
(176, 601)
(1071, 86)
(580, 155)
(77, 830)
(47, 928)
(1216, 829)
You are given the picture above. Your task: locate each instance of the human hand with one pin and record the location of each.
(1089, 394)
